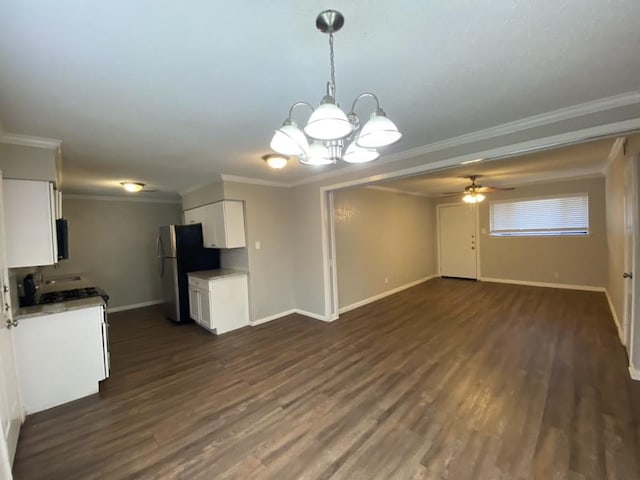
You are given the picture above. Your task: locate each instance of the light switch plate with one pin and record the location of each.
(258, 245)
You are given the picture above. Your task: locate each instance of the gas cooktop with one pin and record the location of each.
(73, 294)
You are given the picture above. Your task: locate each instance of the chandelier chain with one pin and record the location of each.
(332, 60)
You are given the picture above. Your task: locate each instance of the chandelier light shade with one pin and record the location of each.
(329, 134)
(378, 132)
(328, 122)
(357, 154)
(318, 154)
(289, 140)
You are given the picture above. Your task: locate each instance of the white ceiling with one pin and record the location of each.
(173, 93)
(586, 159)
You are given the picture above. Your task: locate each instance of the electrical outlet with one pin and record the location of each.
(556, 275)
(386, 280)
(258, 245)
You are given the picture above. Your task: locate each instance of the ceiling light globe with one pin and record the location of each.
(356, 154)
(275, 161)
(328, 122)
(479, 197)
(378, 132)
(132, 187)
(468, 198)
(318, 154)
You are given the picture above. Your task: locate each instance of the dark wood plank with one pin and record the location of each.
(447, 380)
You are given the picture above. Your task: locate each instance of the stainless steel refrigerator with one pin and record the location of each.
(180, 250)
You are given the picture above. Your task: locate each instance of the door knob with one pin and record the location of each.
(627, 275)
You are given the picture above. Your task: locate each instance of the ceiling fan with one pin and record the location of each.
(474, 193)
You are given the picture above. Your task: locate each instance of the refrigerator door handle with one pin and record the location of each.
(159, 247)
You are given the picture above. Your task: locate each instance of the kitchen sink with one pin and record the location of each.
(68, 278)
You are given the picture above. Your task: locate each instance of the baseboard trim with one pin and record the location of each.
(315, 316)
(134, 305)
(634, 372)
(366, 301)
(615, 317)
(275, 316)
(566, 286)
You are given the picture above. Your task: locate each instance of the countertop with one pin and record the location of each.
(213, 274)
(59, 307)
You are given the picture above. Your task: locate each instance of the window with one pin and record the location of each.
(560, 215)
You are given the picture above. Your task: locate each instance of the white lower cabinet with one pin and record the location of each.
(60, 357)
(219, 303)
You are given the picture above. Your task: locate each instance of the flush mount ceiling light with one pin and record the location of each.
(132, 186)
(329, 129)
(275, 160)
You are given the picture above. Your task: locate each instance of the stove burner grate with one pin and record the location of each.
(73, 294)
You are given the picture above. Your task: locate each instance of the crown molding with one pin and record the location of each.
(398, 191)
(29, 141)
(604, 104)
(506, 151)
(114, 198)
(253, 181)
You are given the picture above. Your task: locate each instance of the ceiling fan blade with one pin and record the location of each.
(493, 189)
(452, 193)
(149, 190)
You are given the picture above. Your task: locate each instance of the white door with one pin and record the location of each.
(629, 242)
(457, 240)
(10, 407)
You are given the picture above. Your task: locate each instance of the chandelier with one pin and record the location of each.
(330, 134)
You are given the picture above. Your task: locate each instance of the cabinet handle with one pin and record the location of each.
(12, 323)
(6, 307)
(5, 289)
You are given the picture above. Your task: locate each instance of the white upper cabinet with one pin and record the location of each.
(30, 227)
(222, 223)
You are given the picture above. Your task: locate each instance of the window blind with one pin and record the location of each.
(565, 215)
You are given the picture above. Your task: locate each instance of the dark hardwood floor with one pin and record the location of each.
(450, 379)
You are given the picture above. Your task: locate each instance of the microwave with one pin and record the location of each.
(62, 235)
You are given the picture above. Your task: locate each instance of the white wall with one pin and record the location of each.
(381, 236)
(114, 243)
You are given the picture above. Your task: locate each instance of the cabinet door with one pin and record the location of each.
(210, 226)
(233, 224)
(29, 223)
(229, 303)
(194, 303)
(191, 216)
(206, 316)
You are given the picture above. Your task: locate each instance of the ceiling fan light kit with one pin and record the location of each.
(328, 130)
(474, 193)
(473, 197)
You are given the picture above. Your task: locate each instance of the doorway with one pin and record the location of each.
(457, 241)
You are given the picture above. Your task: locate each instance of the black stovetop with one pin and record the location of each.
(73, 294)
